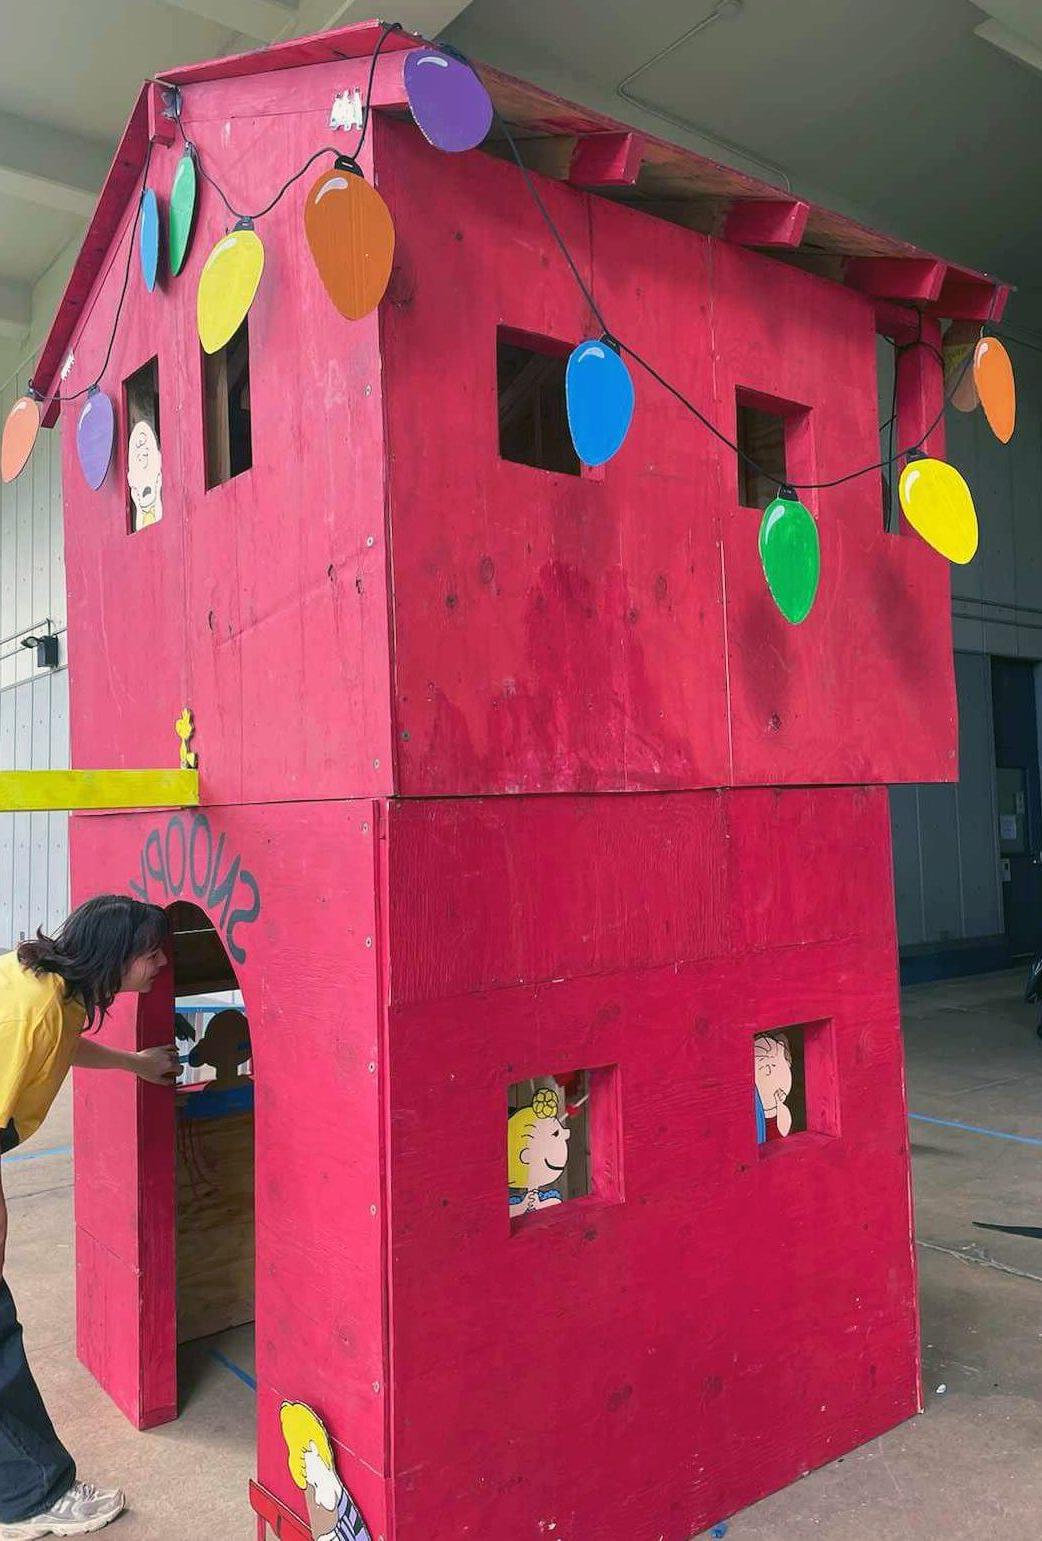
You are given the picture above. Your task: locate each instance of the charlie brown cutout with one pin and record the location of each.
(537, 1154)
(772, 1059)
(332, 1512)
(145, 475)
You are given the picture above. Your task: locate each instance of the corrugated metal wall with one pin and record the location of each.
(946, 857)
(34, 703)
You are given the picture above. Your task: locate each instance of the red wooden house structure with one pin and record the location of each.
(511, 769)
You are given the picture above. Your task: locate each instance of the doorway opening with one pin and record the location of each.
(214, 1159)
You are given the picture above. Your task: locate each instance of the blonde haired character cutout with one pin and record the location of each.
(332, 1512)
(537, 1154)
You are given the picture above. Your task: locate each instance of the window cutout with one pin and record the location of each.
(548, 1141)
(761, 435)
(533, 417)
(144, 457)
(226, 400)
(795, 1088)
(563, 1140)
(886, 378)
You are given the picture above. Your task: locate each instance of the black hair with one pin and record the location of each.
(93, 948)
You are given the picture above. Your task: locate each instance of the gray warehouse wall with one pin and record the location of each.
(34, 703)
(946, 861)
(946, 858)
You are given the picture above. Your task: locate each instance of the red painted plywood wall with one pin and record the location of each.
(613, 631)
(534, 631)
(292, 891)
(262, 602)
(643, 1367)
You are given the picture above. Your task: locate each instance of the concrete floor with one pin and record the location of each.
(969, 1466)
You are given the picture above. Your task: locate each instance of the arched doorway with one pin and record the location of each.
(214, 1158)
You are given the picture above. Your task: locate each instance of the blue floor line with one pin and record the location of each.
(34, 1155)
(995, 1134)
(229, 1364)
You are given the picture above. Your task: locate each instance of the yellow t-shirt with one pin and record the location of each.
(39, 1031)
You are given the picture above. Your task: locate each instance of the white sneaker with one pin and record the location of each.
(77, 1512)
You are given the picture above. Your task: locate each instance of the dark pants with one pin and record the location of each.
(35, 1467)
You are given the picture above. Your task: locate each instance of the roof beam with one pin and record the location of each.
(263, 20)
(968, 297)
(769, 222)
(45, 165)
(15, 308)
(427, 17)
(897, 278)
(606, 160)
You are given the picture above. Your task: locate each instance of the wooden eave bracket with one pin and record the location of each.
(766, 222)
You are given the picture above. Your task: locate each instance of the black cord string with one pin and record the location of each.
(240, 214)
(250, 218)
(623, 347)
(890, 429)
(389, 27)
(348, 160)
(613, 341)
(86, 389)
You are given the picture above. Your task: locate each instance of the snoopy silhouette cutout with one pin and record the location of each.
(225, 1046)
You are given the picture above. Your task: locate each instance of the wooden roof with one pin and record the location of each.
(585, 148)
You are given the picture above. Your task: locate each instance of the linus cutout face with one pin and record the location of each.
(546, 1152)
(773, 1069)
(145, 474)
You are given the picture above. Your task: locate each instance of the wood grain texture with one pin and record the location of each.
(582, 633)
(382, 606)
(215, 1229)
(277, 574)
(769, 222)
(309, 980)
(737, 1319)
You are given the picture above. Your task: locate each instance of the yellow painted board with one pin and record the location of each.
(32, 791)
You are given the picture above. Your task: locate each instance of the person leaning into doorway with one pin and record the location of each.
(52, 992)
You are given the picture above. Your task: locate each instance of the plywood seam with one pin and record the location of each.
(381, 963)
(382, 350)
(674, 965)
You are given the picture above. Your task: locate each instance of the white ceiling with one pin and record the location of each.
(922, 117)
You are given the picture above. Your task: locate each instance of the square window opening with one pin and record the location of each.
(886, 378)
(533, 416)
(226, 406)
(761, 436)
(563, 1140)
(144, 438)
(795, 1086)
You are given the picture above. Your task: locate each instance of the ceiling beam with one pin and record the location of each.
(15, 308)
(1012, 43)
(427, 17)
(45, 165)
(264, 21)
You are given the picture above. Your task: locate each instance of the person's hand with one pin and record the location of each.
(159, 1066)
